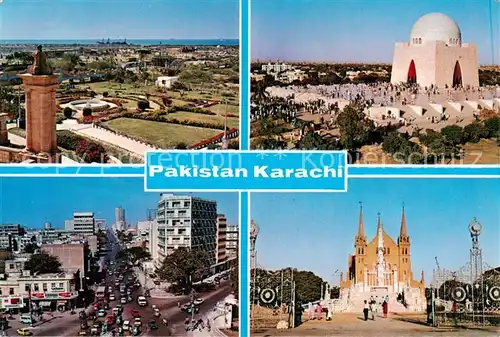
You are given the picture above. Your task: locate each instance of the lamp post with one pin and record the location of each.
(476, 262)
(254, 232)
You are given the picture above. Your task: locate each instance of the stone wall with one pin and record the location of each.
(12, 155)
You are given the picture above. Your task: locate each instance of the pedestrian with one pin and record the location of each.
(385, 308)
(371, 306)
(365, 310)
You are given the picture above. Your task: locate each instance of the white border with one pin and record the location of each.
(284, 153)
(249, 266)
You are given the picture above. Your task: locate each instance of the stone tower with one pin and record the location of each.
(360, 246)
(41, 106)
(404, 268)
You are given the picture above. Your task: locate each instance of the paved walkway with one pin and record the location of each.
(112, 138)
(354, 325)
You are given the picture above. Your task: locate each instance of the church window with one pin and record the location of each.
(388, 250)
(419, 40)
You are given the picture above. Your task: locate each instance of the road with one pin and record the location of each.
(70, 325)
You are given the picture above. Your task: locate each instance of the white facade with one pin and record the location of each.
(276, 67)
(100, 224)
(185, 221)
(83, 223)
(232, 241)
(166, 81)
(435, 55)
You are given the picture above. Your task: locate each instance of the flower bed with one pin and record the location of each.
(231, 133)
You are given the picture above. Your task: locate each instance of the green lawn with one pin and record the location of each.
(196, 117)
(220, 109)
(163, 135)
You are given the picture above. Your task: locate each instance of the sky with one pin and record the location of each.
(33, 201)
(315, 231)
(360, 30)
(116, 19)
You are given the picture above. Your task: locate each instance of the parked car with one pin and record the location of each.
(153, 325)
(24, 332)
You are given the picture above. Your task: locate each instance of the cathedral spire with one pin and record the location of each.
(422, 280)
(403, 232)
(361, 226)
(379, 224)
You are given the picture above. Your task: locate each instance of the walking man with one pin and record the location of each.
(365, 311)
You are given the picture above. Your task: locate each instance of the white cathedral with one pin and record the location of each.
(435, 55)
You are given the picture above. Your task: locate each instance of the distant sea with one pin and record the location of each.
(172, 42)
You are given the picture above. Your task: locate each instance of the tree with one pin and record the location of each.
(453, 133)
(234, 278)
(475, 131)
(492, 126)
(30, 248)
(181, 146)
(183, 267)
(68, 112)
(43, 263)
(312, 141)
(354, 126)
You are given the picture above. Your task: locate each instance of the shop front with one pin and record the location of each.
(12, 304)
(54, 301)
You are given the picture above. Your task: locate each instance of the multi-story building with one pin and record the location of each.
(45, 290)
(74, 258)
(100, 224)
(186, 221)
(232, 241)
(276, 67)
(221, 238)
(7, 234)
(120, 224)
(84, 223)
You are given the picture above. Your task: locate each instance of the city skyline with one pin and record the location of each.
(93, 19)
(361, 31)
(315, 232)
(98, 195)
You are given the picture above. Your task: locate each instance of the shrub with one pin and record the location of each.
(59, 119)
(91, 152)
(87, 112)
(68, 112)
(166, 101)
(143, 105)
(68, 140)
(181, 146)
(105, 94)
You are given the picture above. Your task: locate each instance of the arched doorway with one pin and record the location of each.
(412, 73)
(457, 76)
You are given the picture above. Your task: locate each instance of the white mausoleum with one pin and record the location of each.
(435, 55)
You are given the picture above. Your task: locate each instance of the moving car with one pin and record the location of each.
(153, 325)
(141, 300)
(82, 333)
(24, 332)
(101, 313)
(126, 325)
(123, 300)
(137, 321)
(95, 329)
(156, 312)
(199, 301)
(112, 297)
(135, 313)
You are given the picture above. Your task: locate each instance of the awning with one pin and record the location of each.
(44, 303)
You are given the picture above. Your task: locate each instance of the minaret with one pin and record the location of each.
(404, 251)
(380, 254)
(360, 246)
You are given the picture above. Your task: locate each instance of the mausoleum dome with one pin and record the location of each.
(436, 27)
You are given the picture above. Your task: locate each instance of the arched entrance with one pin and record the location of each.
(412, 73)
(457, 76)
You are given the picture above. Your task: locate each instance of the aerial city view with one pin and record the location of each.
(421, 261)
(152, 75)
(419, 86)
(116, 261)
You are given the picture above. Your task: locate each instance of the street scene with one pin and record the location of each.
(404, 275)
(126, 278)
